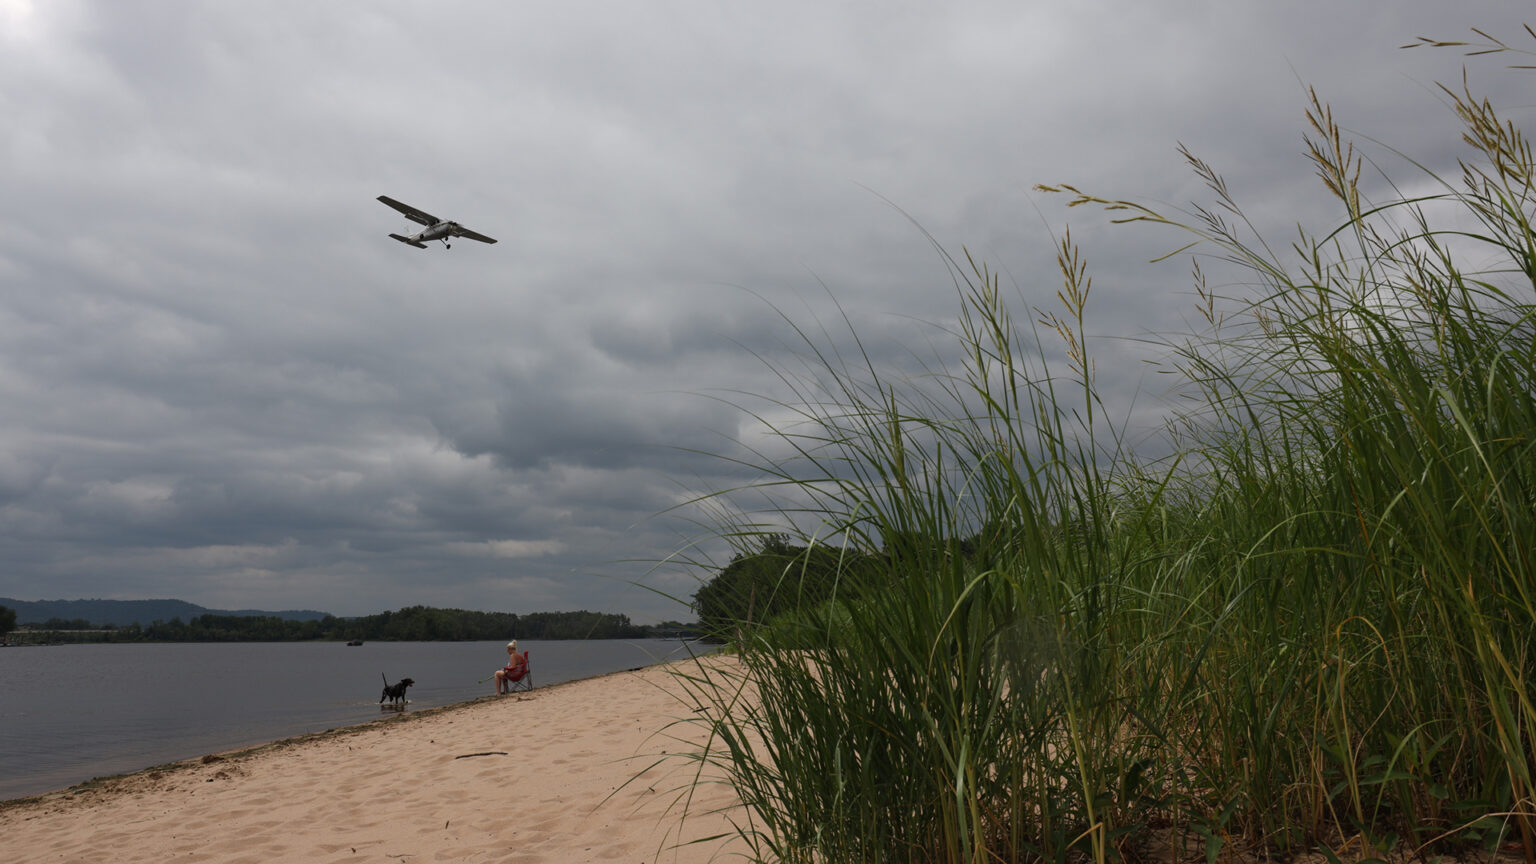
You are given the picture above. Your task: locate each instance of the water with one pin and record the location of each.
(69, 713)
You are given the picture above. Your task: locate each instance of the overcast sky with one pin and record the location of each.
(222, 382)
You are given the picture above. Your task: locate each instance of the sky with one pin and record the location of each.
(224, 383)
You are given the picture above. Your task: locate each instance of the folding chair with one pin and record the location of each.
(521, 678)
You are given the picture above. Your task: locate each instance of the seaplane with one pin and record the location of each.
(437, 229)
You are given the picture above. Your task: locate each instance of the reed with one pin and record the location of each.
(1312, 627)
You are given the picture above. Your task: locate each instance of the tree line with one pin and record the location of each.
(411, 624)
(778, 579)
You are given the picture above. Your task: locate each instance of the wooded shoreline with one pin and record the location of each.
(411, 624)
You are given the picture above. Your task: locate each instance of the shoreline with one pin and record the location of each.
(145, 706)
(405, 716)
(595, 781)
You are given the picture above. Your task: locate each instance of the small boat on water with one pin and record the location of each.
(355, 642)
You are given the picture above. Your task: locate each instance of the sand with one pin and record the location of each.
(583, 771)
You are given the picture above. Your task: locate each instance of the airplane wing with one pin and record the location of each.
(421, 217)
(461, 231)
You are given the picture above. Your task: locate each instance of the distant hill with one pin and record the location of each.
(120, 613)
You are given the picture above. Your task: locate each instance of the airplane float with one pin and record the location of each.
(437, 229)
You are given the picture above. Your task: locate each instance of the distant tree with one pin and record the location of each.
(7, 619)
(67, 624)
(757, 587)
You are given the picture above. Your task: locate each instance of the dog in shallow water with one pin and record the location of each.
(395, 693)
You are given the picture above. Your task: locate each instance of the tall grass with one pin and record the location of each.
(1313, 626)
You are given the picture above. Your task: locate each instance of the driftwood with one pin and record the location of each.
(486, 753)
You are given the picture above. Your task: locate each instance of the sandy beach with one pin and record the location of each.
(577, 772)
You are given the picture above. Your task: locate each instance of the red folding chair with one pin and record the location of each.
(521, 676)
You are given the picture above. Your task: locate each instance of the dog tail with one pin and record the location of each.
(385, 677)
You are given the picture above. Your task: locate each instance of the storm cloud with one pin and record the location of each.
(223, 382)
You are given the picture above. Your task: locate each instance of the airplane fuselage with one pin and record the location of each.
(436, 232)
(443, 231)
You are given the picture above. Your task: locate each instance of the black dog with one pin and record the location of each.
(395, 693)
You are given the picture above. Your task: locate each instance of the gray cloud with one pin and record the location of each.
(225, 384)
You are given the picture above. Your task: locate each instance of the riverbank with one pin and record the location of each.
(74, 712)
(582, 771)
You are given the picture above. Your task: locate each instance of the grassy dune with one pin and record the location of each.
(1312, 627)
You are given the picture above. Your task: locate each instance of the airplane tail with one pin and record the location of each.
(409, 242)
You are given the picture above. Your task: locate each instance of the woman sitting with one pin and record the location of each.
(516, 668)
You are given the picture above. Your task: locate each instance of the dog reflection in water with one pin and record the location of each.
(395, 693)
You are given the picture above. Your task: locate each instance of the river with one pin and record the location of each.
(69, 713)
